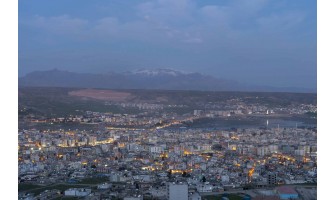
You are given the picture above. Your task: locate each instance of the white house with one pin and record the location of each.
(77, 192)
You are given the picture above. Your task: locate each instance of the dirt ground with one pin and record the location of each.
(107, 95)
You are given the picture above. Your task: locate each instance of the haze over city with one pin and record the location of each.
(259, 42)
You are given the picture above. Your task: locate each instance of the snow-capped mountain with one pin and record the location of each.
(157, 72)
(160, 79)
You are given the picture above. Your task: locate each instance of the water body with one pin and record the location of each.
(229, 123)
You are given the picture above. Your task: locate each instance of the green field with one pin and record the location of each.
(94, 180)
(37, 189)
(26, 186)
(219, 197)
(67, 198)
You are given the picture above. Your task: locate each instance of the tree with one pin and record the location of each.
(184, 174)
(203, 179)
(169, 174)
(217, 147)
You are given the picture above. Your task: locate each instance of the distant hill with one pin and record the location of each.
(165, 79)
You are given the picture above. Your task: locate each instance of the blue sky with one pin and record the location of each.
(263, 42)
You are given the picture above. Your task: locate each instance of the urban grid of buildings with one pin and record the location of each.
(139, 157)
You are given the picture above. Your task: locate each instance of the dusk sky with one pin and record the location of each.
(262, 42)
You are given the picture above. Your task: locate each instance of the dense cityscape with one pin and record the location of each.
(156, 154)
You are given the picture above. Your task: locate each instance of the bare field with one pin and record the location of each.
(107, 95)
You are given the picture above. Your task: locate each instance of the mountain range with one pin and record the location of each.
(165, 79)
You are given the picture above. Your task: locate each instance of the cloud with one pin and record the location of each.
(63, 24)
(106, 26)
(217, 13)
(174, 33)
(173, 18)
(176, 21)
(168, 11)
(281, 22)
(194, 40)
(247, 7)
